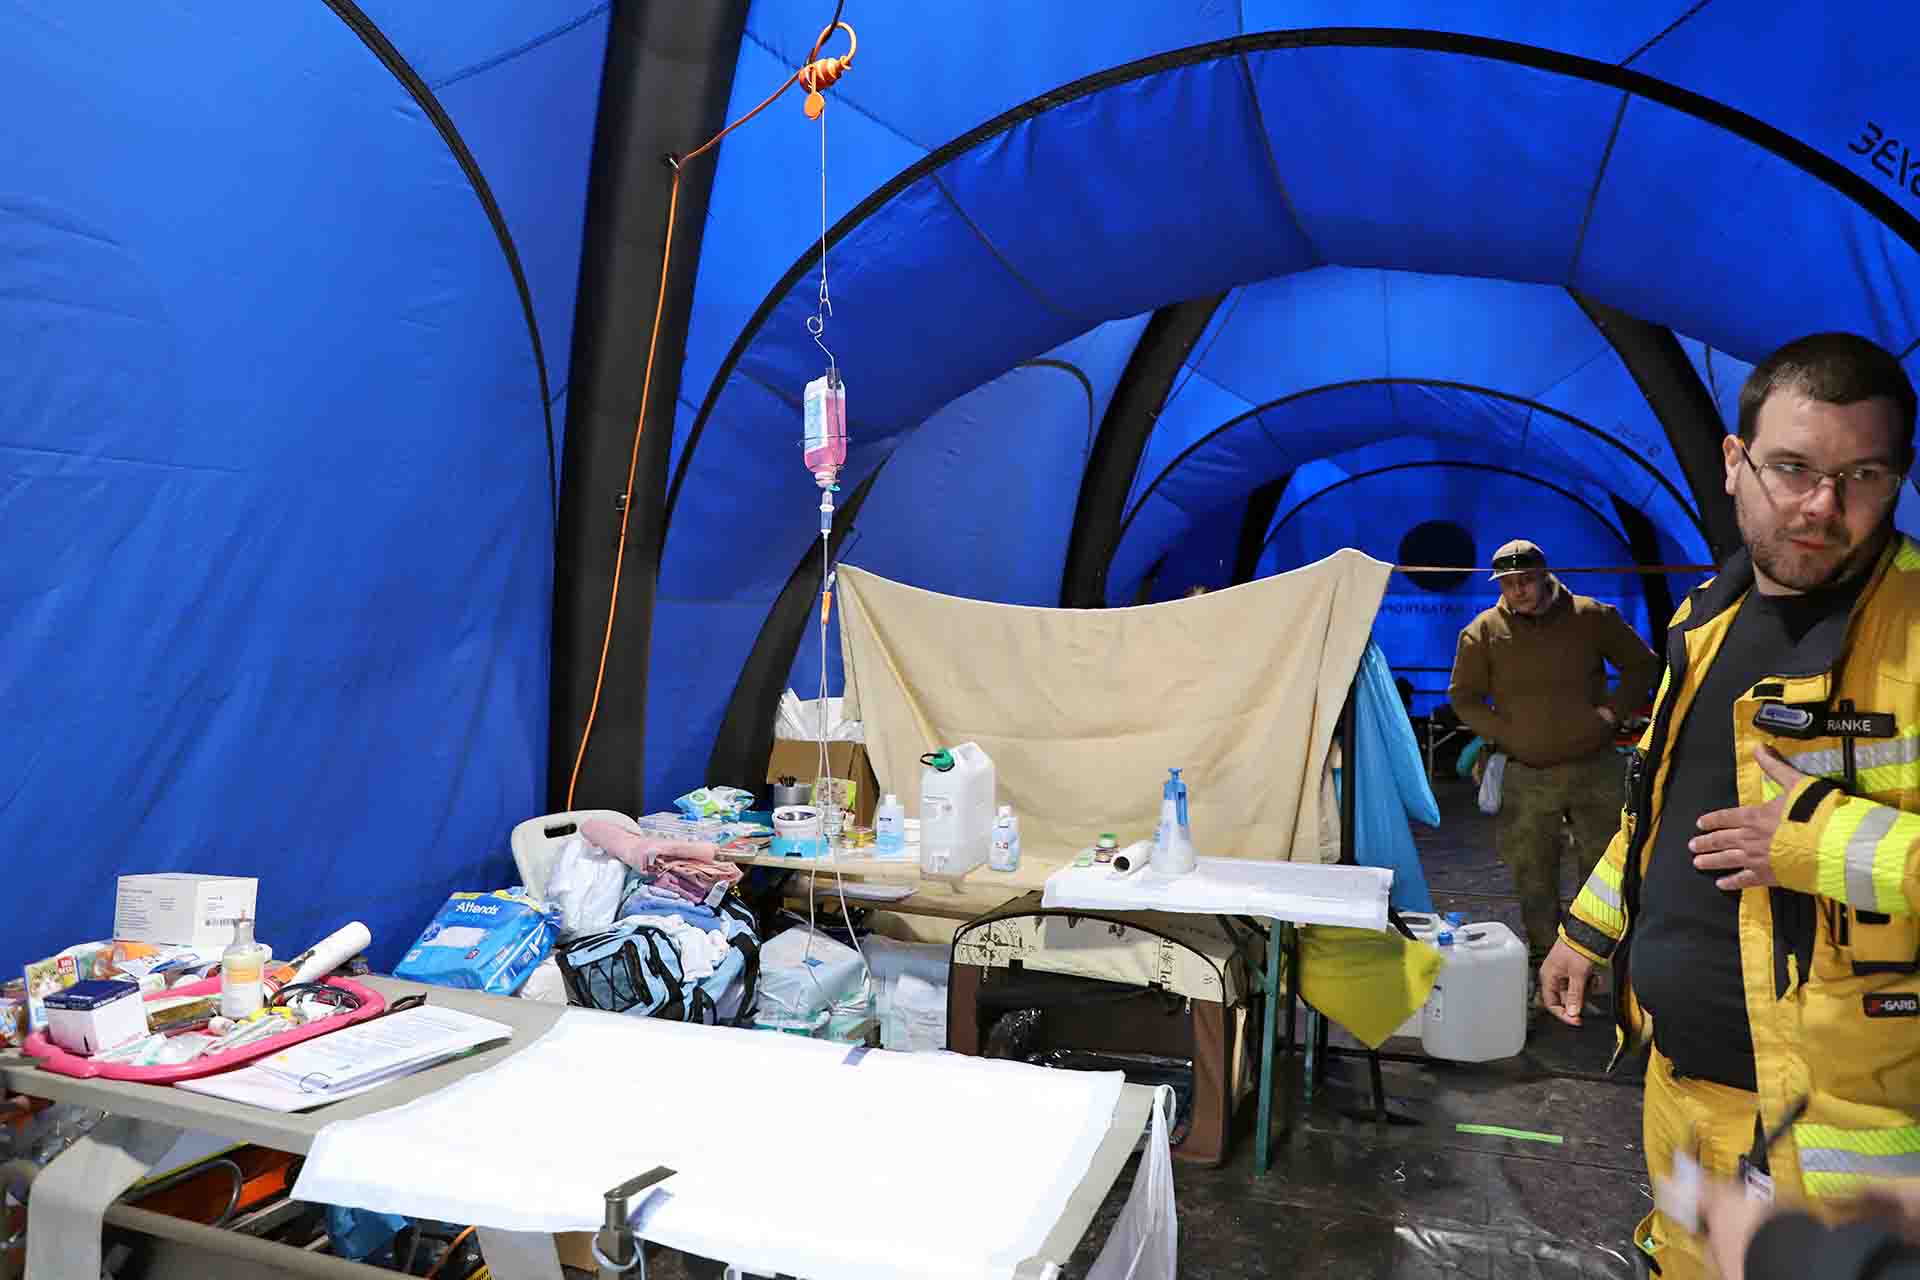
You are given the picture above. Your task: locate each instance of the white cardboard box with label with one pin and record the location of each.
(182, 908)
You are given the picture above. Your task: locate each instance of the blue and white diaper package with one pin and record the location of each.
(483, 942)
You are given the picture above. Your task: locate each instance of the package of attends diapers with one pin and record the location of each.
(483, 942)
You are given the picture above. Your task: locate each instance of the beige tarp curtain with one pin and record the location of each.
(1084, 710)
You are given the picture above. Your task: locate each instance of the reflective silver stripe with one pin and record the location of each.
(1891, 751)
(1866, 755)
(1606, 893)
(1820, 763)
(1861, 848)
(1839, 1160)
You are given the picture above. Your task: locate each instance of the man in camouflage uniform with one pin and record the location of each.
(1529, 675)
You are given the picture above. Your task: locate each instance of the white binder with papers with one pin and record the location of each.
(354, 1059)
(380, 1048)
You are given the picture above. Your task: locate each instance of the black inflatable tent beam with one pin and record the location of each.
(744, 743)
(1685, 408)
(1654, 587)
(1253, 526)
(664, 90)
(1131, 416)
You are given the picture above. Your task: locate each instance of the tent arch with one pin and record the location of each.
(1252, 416)
(939, 228)
(1814, 163)
(1360, 476)
(1132, 555)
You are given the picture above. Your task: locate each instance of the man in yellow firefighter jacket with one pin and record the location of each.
(1760, 904)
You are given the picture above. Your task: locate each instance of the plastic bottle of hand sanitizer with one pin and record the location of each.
(890, 826)
(1005, 852)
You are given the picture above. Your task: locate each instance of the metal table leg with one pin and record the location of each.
(1263, 1138)
(1313, 1051)
(1292, 1015)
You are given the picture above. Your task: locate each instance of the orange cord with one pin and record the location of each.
(435, 1270)
(816, 74)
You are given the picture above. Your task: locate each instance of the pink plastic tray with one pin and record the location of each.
(54, 1058)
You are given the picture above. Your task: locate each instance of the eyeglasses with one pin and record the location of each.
(1795, 480)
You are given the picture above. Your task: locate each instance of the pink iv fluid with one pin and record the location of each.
(825, 445)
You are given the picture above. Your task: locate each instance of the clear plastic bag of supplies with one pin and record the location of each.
(1145, 1241)
(800, 720)
(915, 1019)
(546, 985)
(1491, 783)
(725, 803)
(483, 942)
(910, 992)
(585, 886)
(802, 975)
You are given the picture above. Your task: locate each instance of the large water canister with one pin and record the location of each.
(1478, 1009)
(956, 810)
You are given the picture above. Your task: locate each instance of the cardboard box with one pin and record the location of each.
(92, 1017)
(847, 760)
(181, 908)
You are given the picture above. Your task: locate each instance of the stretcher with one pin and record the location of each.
(76, 1195)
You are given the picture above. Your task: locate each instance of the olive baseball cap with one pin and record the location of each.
(1518, 556)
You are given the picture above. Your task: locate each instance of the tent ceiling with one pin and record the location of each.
(1220, 164)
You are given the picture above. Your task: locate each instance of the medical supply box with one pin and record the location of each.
(92, 1017)
(182, 908)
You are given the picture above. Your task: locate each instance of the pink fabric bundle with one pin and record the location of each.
(693, 877)
(643, 852)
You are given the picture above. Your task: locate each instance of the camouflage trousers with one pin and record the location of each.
(1570, 809)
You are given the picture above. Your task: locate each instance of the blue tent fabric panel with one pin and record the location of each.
(529, 121)
(1739, 205)
(257, 622)
(1393, 788)
(1442, 107)
(1610, 33)
(1011, 190)
(1197, 406)
(1863, 60)
(1206, 557)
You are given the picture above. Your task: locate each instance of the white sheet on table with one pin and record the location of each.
(981, 1162)
(1298, 892)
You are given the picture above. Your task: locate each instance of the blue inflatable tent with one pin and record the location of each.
(327, 328)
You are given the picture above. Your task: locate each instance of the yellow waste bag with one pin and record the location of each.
(1368, 982)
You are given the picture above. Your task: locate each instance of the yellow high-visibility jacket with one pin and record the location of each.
(1831, 958)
